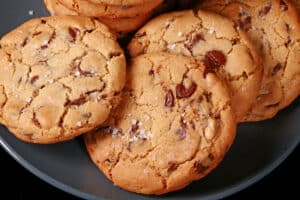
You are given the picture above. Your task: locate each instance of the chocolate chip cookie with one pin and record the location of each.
(211, 38)
(120, 26)
(112, 10)
(274, 28)
(59, 77)
(173, 126)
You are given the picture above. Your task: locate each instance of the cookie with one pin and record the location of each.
(274, 28)
(121, 26)
(91, 9)
(59, 77)
(211, 38)
(173, 126)
(121, 2)
(297, 3)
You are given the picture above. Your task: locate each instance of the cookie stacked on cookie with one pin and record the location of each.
(274, 28)
(121, 16)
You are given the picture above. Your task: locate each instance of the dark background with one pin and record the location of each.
(17, 183)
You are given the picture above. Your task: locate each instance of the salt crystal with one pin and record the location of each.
(30, 12)
(171, 47)
(79, 124)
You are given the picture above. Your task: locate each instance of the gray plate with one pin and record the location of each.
(258, 149)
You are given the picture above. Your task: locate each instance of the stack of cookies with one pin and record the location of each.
(170, 117)
(121, 16)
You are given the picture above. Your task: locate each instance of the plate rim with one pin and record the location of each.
(218, 194)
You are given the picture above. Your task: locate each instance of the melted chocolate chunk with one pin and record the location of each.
(37, 33)
(276, 69)
(172, 166)
(265, 10)
(283, 5)
(245, 23)
(77, 102)
(213, 60)
(151, 72)
(73, 32)
(181, 132)
(169, 101)
(34, 79)
(183, 92)
(24, 42)
(199, 167)
(193, 40)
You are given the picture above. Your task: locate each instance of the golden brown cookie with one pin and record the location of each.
(121, 26)
(59, 77)
(91, 9)
(211, 38)
(274, 27)
(297, 3)
(173, 126)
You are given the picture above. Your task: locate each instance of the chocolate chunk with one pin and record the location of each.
(283, 5)
(183, 92)
(181, 132)
(45, 46)
(84, 73)
(151, 72)
(43, 21)
(172, 166)
(34, 79)
(183, 123)
(199, 167)
(73, 32)
(193, 40)
(193, 125)
(276, 69)
(77, 102)
(288, 42)
(245, 23)
(211, 156)
(37, 33)
(169, 102)
(213, 60)
(134, 127)
(24, 42)
(36, 121)
(265, 10)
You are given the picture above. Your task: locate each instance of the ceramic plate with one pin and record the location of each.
(258, 149)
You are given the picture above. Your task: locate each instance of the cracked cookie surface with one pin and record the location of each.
(173, 126)
(59, 77)
(274, 27)
(121, 26)
(92, 8)
(211, 38)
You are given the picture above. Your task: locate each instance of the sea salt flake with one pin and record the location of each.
(79, 124)
(30, 12)
(171, 47)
